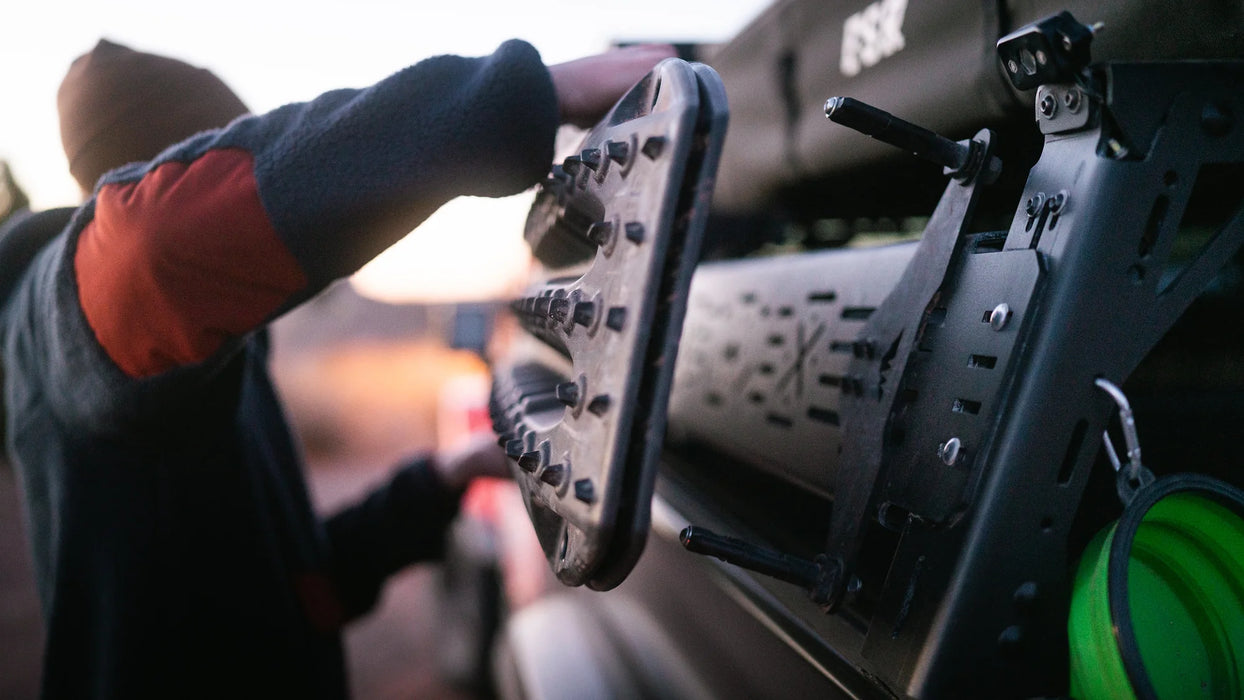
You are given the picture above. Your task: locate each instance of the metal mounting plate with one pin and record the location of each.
(616, 231)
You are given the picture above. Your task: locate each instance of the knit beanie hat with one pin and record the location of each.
(119, 106)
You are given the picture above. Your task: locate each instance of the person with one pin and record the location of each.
(176, 551)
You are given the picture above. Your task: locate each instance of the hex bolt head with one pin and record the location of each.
(568, 393)
(572, 165)
(1073, 99)
(999, 317)
(635, 232)
(1048, 107)
(949, 451)
(1059, 202)
(584, 490)
(1035, 204)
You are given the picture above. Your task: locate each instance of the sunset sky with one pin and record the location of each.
(273, 53)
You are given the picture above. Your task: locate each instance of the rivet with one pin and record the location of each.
(1011, 640)
(1216, 120)
(948, 451)
(1025, 597)
(999, 317)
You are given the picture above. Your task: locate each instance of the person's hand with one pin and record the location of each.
(588, 87)
(480, 456)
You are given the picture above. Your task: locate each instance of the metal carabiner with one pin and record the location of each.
(1133, 476)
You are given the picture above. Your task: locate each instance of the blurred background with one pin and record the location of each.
(382, 365)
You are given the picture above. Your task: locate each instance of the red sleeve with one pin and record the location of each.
(177, 263)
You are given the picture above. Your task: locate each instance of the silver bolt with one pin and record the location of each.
(1058, 201)
(948, 451)
(1072, 100)
(1048, 106)
(999, 317)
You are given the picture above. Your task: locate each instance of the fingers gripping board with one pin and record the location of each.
(580, 403)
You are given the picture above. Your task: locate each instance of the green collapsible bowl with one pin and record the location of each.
(1157, 608)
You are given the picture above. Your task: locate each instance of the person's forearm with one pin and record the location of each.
(230, 228)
